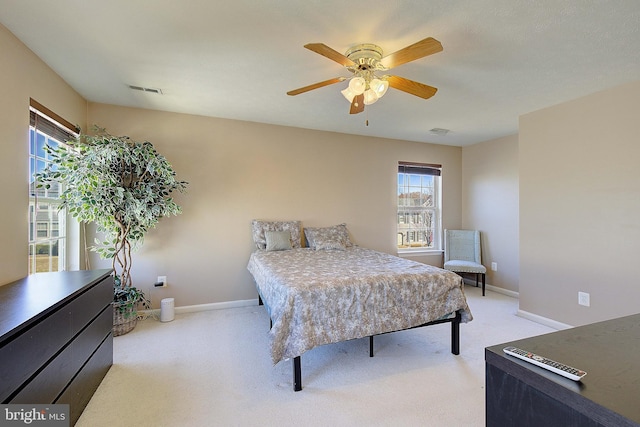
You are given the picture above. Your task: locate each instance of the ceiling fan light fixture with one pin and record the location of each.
(357, 85)
(370, 96)
(349, 94)
(379, 87)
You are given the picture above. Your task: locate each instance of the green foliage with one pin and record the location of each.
(126, 300)
(121, 185)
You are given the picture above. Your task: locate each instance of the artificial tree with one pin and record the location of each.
(122, 186)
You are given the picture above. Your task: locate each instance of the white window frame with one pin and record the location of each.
(417, 213)
(43, 206)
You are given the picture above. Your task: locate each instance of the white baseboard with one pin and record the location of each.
(203, 307)
(543, 320)
(249, 302)
(507, 292)
(216, 306)
(524, 314)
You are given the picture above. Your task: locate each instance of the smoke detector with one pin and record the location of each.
(439, 131)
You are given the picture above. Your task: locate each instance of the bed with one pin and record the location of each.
(332, 290)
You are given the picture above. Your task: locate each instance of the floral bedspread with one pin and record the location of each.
(326, 296)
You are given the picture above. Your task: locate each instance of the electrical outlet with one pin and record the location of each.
(584, 299)
(494, 266)
(163, 280)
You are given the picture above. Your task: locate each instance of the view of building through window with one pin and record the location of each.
(47, 224)
(418, 206)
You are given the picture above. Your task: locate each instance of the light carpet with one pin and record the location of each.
(212, 368)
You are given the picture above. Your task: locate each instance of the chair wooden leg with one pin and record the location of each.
(477, 276)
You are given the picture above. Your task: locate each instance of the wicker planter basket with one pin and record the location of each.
(124, 319)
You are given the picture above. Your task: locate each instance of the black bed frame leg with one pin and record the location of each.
(455, 333)
(371, 346)
(297, 374)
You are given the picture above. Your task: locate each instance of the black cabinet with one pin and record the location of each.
(56, 344)
(521, 394)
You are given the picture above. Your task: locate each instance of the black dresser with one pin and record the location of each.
(521, 394)
(56, 344)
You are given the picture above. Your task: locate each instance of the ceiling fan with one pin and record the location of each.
(364, 61)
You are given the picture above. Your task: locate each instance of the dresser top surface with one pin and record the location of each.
(608, 351)
(24, 300)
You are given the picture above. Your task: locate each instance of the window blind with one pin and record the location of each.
(420, 168)
(50, 123)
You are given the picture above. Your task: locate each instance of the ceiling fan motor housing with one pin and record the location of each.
(366, 56)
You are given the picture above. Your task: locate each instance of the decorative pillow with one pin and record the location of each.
(336, 232)
(278, 240)
(258, 228)
(323, 243)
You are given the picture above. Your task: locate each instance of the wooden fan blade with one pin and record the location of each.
(327, 52)
(357, 105)
(423, 48)
(409, 86)
(316, 86)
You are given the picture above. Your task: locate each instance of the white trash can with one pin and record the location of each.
(167, 310)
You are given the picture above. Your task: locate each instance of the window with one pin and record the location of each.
(419, 206)
(47, 224)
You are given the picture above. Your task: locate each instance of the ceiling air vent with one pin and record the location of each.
(146, 89)
(439, 131)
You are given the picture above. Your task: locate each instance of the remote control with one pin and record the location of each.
(543, 362)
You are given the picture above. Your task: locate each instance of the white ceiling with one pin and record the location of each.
(237, 59)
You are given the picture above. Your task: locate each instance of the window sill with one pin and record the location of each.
(419, 251)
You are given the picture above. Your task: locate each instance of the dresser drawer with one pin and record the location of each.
(29, 351)
(23, 356)
(81, 389)
(49, 383)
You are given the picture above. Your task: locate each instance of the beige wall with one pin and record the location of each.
(579, 207)
(490, 204)
(238, 171)
(579, 193)
(22, 76)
